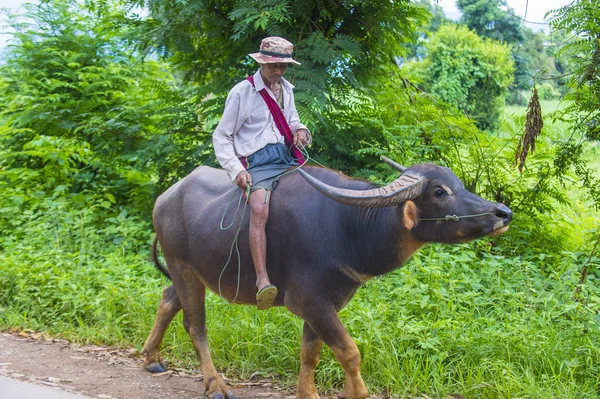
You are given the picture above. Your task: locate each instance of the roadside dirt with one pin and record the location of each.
(110, 373)
(107, 373)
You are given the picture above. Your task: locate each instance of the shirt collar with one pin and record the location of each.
(259, 83)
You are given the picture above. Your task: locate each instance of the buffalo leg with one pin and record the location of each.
(309, 357)
(327, 324)
(192, 295)
(168, 308)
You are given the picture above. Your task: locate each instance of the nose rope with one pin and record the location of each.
(455, 218)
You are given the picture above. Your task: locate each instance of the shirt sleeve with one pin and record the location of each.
(228, 126)
(294, 121)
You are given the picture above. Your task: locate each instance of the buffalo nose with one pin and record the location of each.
(504, 213)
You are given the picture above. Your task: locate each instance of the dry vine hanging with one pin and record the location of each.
(533, 127)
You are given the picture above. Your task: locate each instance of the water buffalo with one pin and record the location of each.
(323, 244)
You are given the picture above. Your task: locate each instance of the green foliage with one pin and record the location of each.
(455, 320)
(90, 131)
(62, 273)
(80, 114)
(582, 55)
(431, 297)
(438, 18)
(417, 127)
(534, 58)
(528, 49)
(583, 58)
(344, 48)
(487, 19)
(469, 72)
(547, 92)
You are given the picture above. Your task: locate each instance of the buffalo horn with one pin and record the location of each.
(394, 164)
(408, 186)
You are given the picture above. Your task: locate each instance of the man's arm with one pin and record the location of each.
(229, 124)
(300, 131)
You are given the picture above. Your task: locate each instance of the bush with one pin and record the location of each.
(516, 97)
(81, 115)
(468, 72)
(547, 92)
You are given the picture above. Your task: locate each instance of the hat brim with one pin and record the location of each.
(268, 59)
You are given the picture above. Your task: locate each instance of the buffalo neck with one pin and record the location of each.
(381, 242)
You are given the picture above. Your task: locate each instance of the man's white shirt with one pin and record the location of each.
(247, 124)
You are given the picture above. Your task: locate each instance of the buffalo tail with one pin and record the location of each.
(157, 263)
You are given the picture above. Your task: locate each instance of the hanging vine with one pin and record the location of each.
(533, 128)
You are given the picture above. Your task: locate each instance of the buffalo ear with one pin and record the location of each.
(410, 217)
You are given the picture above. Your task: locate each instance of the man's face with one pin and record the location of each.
(273, 72)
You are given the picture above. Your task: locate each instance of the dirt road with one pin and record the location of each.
(106, 373)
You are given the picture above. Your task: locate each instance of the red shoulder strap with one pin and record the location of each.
(280, 121)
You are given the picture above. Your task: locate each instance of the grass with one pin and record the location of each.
(553, 128)
(548, 106)
(461, 319)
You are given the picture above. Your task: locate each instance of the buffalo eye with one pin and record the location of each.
(439, 193)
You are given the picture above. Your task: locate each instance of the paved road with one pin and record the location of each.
(15, 389)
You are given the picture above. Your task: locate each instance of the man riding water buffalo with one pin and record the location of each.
(256, 142)
(343, 232)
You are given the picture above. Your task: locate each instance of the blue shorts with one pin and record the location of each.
(268, 164)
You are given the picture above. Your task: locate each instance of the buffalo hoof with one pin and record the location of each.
(219, 395)
(156, 367)
(308, 396)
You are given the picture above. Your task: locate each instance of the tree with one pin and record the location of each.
(438, 18)
(536, 49)
(582, 57)
(346, 48)
(487, 19)
(81, 115)
(471, 73)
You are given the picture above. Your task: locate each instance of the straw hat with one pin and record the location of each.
(274, 49)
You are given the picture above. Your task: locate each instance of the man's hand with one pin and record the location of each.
(301, 136)
(243, 179)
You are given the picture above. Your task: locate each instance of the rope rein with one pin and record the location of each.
(235, 243)
(456, 218)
